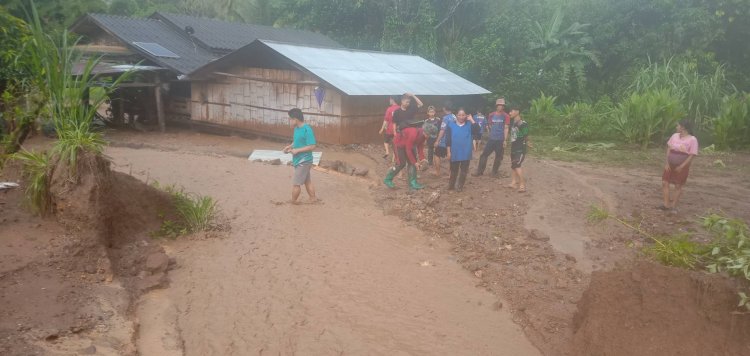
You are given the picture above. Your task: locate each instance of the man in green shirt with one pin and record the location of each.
(519, 138)
(303, 143)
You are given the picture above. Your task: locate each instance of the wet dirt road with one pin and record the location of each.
(331, 278)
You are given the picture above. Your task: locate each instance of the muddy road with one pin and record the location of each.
(337, 277)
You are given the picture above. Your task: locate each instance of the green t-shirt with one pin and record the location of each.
(519, 133)
(303, 137)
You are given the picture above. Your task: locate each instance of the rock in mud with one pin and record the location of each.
(275, 162)
(157, 262)
(149, 283)
(361, 172)
(535, 234)
(433, 199)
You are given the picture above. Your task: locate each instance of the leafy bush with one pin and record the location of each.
(677, 251)
(643, 118)
(543, 110)
(37, 172)
(585, 122)
(731, 128)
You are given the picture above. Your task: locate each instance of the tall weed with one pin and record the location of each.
(645, 117)
(37, 172)
(731, 128)
(585, 122)
(53, 58)
(543, 111)
(700, 94)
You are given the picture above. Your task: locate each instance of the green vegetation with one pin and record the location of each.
(37, 171)
(195, 213)
(727, 252)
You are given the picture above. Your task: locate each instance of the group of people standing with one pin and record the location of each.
(454, 137)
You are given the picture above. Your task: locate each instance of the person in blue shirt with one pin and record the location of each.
(460, 146)
(441, 150)
(498, 123)
(303, 143)
(478, 128)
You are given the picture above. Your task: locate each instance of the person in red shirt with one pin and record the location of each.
(388, 127)
(409, 139)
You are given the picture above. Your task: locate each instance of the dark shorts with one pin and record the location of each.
(302, 174)
(516, 159)
(441, 152)
(388, 138)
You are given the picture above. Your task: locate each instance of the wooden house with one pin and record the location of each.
(342, 92)
(246, 77)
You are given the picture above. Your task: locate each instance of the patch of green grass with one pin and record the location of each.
(676, 251)
(194, 213)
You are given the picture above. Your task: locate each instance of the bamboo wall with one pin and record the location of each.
(262, 106)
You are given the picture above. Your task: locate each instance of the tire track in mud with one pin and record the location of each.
(333, 278)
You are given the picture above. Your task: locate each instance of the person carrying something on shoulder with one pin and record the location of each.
(441, 150)
(459, 144)
(682, 147)
(388, 128)
(519, 139)
(410, 139)
(431, 122)
(498, 122)
(405, 115)
(303, 143)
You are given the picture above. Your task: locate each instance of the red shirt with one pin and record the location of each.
(409, 138)
(389, 118)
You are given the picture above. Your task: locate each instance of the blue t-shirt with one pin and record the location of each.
(461, 141)
(497, 122)
(446, 119)
(482, 122)
(303, 137)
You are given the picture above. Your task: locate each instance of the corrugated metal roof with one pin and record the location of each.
(376, 73)
(225, 35)
(130, 30)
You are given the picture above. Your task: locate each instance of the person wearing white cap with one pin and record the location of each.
(498, 122)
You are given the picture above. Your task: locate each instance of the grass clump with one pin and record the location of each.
(37, 171)
(195, 213)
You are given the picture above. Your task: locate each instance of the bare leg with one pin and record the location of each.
(665, 191)
(311, 191)
(677, 194)
(387, 148)
(436, 160)
(521, 181)
(296, 190)
(513, 181)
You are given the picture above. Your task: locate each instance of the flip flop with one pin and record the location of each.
(522, 189)
(662, 207)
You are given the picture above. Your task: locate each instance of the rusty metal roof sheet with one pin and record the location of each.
(357, 72)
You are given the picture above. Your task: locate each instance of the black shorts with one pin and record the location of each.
(516, 159)
(441, 152)
(388, 138)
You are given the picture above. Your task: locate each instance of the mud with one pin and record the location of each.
(649, 309)
(331, 278)
(69, 279)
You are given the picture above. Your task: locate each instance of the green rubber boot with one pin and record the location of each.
(413, 179)
(389, 178)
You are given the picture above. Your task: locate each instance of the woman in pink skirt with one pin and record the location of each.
(681, 148)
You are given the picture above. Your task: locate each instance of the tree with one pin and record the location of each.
(565, 48)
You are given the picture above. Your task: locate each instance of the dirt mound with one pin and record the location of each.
(112, 213)
(649, 309)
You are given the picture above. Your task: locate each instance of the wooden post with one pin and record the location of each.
(159, 106)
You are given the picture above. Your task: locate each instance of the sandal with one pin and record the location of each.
(662, 207)
(522, 189)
